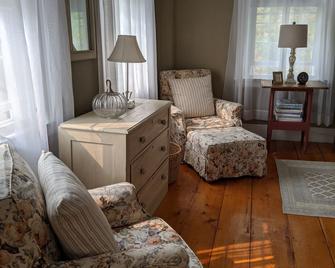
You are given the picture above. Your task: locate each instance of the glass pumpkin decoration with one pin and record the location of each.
(109, 104)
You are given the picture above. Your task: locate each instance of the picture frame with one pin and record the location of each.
(277, 78)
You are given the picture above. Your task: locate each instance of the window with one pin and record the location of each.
(267, 57)
(81, 29)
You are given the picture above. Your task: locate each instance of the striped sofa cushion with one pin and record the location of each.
(80, 225)
(193, 96)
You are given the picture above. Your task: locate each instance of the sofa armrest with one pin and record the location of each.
(177, 126)
(229, 111)
(167, 255)
(119, 203)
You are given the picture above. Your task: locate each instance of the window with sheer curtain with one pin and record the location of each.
(35, 75)
(254, 54)
(267, 57)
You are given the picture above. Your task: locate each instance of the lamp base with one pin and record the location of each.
(290, 81)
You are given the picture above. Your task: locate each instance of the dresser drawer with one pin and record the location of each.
(141, 136)
(147, 162)
(154, 191)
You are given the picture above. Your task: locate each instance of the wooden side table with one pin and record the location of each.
(303, 126)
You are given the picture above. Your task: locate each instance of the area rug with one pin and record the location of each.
(307, 187)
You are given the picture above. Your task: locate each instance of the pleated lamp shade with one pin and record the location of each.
(126, 50)
(293, 35)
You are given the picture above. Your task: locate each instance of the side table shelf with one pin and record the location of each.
(304, 126)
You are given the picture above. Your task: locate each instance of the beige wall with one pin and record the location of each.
(85, 84)
(194, 34)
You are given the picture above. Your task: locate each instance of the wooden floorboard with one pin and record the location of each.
(232, 242)
(270, 239)
(202, 220)
(239, 222)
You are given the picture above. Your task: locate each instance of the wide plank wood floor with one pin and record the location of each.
(239, 222)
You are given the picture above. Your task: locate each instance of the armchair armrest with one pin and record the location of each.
(177, 126)
(119, 203)
(229, 111)
(168, 255)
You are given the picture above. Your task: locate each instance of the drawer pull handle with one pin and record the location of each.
(163, 148)
(163, 177)
(163, 122)
(142, 139)
(142, 171)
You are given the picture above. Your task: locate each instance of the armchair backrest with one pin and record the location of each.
(164, 76)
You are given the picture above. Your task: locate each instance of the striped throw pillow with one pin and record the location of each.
(193, 96)
(80, 225)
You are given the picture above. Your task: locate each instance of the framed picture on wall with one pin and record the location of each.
(277, 78)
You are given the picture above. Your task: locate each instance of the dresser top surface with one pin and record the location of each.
(124, 124)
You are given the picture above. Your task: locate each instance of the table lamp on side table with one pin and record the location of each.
(127, 50)
(292, 36)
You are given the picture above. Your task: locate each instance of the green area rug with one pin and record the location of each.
(307, 187)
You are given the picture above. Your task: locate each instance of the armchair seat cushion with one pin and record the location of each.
(154, 231)
(226, 152)
(206, 122)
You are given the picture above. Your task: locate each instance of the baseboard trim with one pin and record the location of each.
(317, 134)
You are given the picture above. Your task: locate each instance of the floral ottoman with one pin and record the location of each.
(226, 152)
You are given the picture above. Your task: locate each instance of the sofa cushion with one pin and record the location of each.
(26, 239)
(193, 96)
(154, 231)
(206, 122)
(80, 225)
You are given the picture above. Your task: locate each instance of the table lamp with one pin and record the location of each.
(292, 36)
(127, 50)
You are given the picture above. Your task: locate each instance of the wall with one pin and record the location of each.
(165, 34)
(85, 84)
(194, 34)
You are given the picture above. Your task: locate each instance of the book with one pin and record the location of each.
(288, 115)
(288, 111)
(288, 104)
(286, 119)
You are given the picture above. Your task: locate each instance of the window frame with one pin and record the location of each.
(92, 52)
(252, 31)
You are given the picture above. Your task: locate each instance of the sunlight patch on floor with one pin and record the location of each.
(259, 253)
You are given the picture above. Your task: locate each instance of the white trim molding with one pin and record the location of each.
(317, 134)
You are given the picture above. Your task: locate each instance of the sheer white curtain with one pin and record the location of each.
(254, 53)
(35, 74)
(130, 17)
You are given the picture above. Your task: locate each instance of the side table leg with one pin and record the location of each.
(270, 118)
(309, 97)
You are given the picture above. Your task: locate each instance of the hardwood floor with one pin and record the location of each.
(239, 222)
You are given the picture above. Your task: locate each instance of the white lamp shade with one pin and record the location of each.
(293, 35)
(126, 50)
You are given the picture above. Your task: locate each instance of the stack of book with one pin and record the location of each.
(288, 110)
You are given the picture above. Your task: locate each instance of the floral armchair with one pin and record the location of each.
(27, 239)
(228, 114)
(216, 146)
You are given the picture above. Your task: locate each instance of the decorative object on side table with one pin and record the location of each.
(277, 78)
(292, 36)
(109, 104)
(302, 78)
(127, 50)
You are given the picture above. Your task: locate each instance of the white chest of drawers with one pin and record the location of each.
(132, 148)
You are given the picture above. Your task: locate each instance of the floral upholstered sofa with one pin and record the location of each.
(216, 146)
(27, 239)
